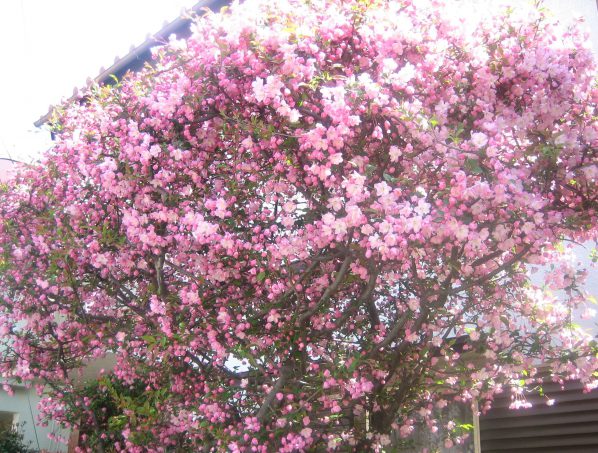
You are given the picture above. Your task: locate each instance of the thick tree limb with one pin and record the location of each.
(340, 276)
(270, 402)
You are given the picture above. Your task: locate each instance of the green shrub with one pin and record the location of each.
(12, 441)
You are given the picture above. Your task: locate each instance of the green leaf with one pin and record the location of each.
(473, 166)
(354, 364)
(466, 426)
(148, 339)
(261, 276)
(389, 178)
(550, 152)
(117, 422)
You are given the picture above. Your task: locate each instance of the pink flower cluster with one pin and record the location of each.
(309, 213)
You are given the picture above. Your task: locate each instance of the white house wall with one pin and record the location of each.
(24, 404)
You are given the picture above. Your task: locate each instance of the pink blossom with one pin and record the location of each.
(290, 216)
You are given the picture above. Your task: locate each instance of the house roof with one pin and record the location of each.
(140, 54)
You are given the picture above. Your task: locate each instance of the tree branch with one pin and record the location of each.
(270, 402)
(340, 276)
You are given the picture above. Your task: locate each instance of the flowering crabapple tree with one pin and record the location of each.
(282, 227)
